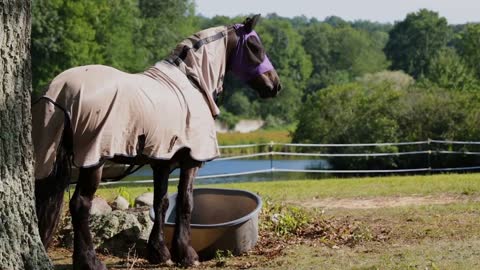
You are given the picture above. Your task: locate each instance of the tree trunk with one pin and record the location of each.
(20, 245)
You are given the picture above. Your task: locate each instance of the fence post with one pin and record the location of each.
(429, 156)
(270, 148)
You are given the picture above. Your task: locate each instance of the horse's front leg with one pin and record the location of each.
(183, 252)
(84, 257)
(157, 251)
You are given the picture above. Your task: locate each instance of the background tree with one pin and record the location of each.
(20, 245)
(468, 47)
(413, 42)
(449, 71)
(47, 31)
(165, 23)
(388, 107)
(284, 48)
(64, 36)
(351, 113)
(342, 53)
(127, 34)
(119, 35)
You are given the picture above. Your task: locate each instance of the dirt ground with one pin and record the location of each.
(384, 202)
(339, 235)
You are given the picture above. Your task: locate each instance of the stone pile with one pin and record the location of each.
(116, 229)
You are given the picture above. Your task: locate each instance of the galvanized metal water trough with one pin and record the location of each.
(222, 219)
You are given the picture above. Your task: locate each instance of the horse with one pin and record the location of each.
(163, 117)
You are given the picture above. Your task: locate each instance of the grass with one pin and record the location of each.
(408, 237)
(259, 136)
(418, 237)
(443, 254)
(300, 190)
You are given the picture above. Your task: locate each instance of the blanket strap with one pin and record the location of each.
(131, 169)
(178, 59)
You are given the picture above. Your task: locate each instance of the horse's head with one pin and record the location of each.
(249, 61)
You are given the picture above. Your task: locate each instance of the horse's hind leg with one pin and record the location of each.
(157, 251)
(183, 252)
(84, 256)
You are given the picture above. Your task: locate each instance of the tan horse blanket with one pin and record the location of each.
(113, 113)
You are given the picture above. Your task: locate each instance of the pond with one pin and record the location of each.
(239, 166)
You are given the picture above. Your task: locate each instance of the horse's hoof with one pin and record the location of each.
(158, 254)
(190, 258)
(186, 264)
(169, 263)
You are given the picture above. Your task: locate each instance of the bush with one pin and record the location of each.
(283, 220)
(373, 112)
(228, 118)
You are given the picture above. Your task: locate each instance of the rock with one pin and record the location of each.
(100, 207)
(120, 203)
(146, 199)
(248, 125)
(116, 232)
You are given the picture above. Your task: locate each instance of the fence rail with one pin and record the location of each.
(271, 154)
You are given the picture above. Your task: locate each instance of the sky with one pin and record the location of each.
(456, 11)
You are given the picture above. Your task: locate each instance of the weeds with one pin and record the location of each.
(283, 225)
(133, 259)
(282, 219)
(123, 191)
(221, 257)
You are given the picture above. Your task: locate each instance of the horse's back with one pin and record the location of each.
(90, 79)
(111, 110)
(116, 113)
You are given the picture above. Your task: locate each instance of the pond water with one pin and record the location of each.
(238, 166)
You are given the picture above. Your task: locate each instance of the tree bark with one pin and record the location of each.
(20, 245)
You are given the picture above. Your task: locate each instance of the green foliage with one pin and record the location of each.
(438, 113)
(124, 192)
(342, 53)
(449, 71)
(348, 113)
(379, 111)
(228, 118)
(273, 122)
(46, 50)
(165, 23)
(398, 80)
(468, 47)
(282, 219)
(413, 42)
(284, 47)
(260, 136)
(221, 257)
(359, 102)
(372, 27)
(239, 104)
(118, 35)
(126, 34)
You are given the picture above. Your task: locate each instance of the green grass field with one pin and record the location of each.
(416, 235)
(260, 136)
(297, 190)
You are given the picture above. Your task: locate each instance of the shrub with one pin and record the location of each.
(370, 111)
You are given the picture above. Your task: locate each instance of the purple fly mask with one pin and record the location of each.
(240, 64)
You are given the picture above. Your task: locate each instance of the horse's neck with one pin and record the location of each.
(206, 65)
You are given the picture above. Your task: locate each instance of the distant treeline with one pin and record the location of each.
(343, 81)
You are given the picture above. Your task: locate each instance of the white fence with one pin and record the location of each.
(272, 154)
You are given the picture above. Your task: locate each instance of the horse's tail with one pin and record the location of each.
(55, 164)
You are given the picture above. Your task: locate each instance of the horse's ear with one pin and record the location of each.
(250, 23)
